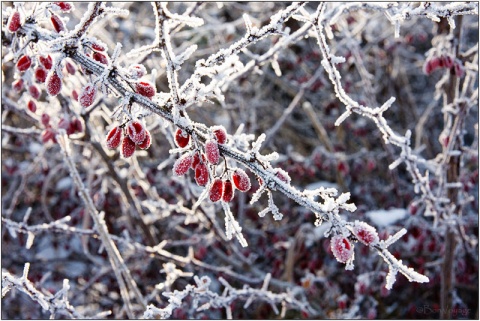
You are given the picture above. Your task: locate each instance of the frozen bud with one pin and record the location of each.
(145, 89)
(183, 164)
(365, 233)
(57, 23)
(87, 95)
(147, 141)
(181, 138)
(101, 58)
(136, 131)
(220, 134)
(137, 71)
(45, 119)
(283, 175)
(17, 85)
(14, 22)
(128, 147)
(40, 74)
(34, 91)
(241, 180)
(114, 137)
(32, 106)
(216, 190)
(54, 84)
(201, 174)
(47, 62)
(228, 191)
(211, 151)
(342, 248)
(24, 63)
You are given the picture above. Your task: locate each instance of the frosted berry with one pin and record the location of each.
(147, 141)
(211, 151)
(63, 123)
(54, 84)
(342, 248)
(181, 138)
(14, 22)
(75, 95)
(48, 134)
(64, 6)
(201, 174)
(283, 175)
(114, 137)
(365, 233)
(101, 58)
(34, 91)
(40, 74)
(32, 106)
(46, 62)
(45, 119)
(128, 147)
(145, 89)
(17, 85)
(87, 95)
(196, 160)
(70, 68)
(57, 23)
(97, 47)
(77, 125)
(137, 71)
(448, 61)
(24, 63)
(216, 190)
(241, 180)
(71, 128)
(136, 131)
(182, 165)
(220, 134)
(228, 191)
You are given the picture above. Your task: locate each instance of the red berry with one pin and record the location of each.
(342, 248)
(46, 62)
(283, 175)
(54, 84)
(34, 91)
(137, 71)
(201, 174)
(448, 62)
(145, 89)
(128, 147)
(40, 74)
(181, 138)
(32, 106)
(24, 63)
(48, 134)
(97, 47)
(70, 68)
(228, 191)
(45, 119)
(241, 180)
(77, 125)
(63, 123)
(101, 58)
(182, 165)
(196, 160)
(14, 22)
(342, 167)
(136, 132)
(64, 6)
(71, 128)
(220, 134)
(211, 151)
(75, 95)
(216, 190)
(365, 233)
(17, 85)
(57, 23)
(114, 137)
(147, 141)
(87, 95)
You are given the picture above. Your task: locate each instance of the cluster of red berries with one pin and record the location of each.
(220, 189)
(443, 62)
(136, 135)
(71, 127)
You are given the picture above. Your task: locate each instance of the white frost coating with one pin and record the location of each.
(337, 59)
(232, 226)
